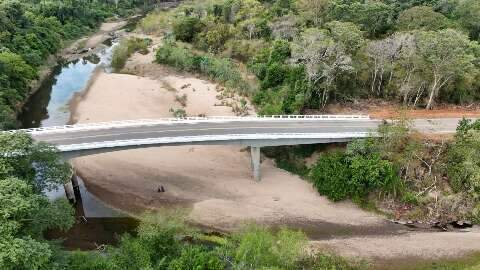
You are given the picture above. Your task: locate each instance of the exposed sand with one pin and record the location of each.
(216, 181)
(438, 245)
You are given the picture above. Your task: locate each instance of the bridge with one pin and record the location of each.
(253, 131)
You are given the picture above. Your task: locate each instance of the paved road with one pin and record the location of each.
(257, 132)
(207, 128)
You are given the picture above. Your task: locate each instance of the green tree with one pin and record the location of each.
(468, 12)
(421, 18)
(25, 212)
(444, 56)
(348, 34)
(186, 28)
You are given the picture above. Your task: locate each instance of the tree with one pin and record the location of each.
(386, 55)
(444, 56)
(24, 216)
(421, 18)
(468, 12)
(375, 17)
(313, 10)
(325, 60)
(36, 163)
(285, 27)
(186, 28)
(25, 212)
(348, 34)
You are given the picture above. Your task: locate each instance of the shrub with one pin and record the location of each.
(275, 75)
(126, 48)
(280, 51)
(79, 260)
(221, 70)
(463, 166)
(340, 175)
(185, 29)
(256, 247)
(330, 176)
(198, 258)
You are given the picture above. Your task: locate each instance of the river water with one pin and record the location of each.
(97, 223)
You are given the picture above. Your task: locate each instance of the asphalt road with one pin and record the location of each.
(206, 128)
(265, 126)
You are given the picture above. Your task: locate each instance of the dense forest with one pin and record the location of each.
(31, 31)
(308, 53)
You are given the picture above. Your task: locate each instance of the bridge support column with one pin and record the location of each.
(255, 153)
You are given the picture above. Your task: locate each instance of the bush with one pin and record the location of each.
(463, 166)
(186, 28)
(221, 70)
(280, 51)
(198, 258)
(331, 174)
(126, 48)
(340, 175)
(79, 260)
(256, 247)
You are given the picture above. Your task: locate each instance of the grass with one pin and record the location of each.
(125, 49)
(220, 70)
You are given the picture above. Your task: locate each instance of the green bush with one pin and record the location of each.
(185, 29)
(126, 48)
(340, 175)
(280, 51)
(197, 258)
(256, 247)
(463, 164)
(218, 69)
(79, 260)
(274, 76)
(331, 175)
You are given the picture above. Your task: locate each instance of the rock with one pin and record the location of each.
(461, 224)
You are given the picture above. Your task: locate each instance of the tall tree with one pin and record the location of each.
(444, 56)
(325, 60)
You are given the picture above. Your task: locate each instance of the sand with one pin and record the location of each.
(437, 245)
(215, 182)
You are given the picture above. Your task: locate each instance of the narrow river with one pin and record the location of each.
(96, 222)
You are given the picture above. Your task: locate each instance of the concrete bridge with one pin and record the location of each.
(256, 131)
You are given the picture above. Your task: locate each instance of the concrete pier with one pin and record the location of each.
(255, 153)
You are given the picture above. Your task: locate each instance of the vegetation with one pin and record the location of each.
(27, 169)
(126, 48)
(221, 70)
(31, 31)
(162, 243)
(309, 53)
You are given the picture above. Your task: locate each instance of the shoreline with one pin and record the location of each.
(65, 54)
(215, 182)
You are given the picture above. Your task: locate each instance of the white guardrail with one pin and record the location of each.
(212, 138)
(185, 120)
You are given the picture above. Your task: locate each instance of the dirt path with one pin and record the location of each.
(216, 182)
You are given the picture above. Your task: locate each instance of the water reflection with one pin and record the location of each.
(49, 105)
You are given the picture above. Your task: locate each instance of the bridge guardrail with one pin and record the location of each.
(146, 122)
(210, 138)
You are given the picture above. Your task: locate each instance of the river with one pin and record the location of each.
(97, 223)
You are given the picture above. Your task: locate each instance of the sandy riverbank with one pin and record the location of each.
(216, 182)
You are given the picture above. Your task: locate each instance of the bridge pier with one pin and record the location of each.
(255, 154)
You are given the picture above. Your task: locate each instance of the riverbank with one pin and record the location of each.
(83, 47)
(215, 182)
